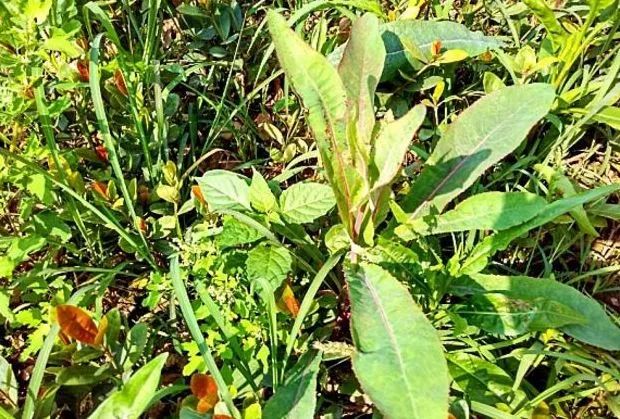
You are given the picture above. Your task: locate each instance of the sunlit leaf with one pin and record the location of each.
(204, 387)
(76, 323)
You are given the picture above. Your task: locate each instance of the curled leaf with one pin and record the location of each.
(288, 301)
(76, 323)
(198, 194)
(119, 82)
(436, 48)
(101, 189)
(82, 70)
(203, 386)
(103, 327)
(102, 153)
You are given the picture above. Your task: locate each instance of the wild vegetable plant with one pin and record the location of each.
(398, 357)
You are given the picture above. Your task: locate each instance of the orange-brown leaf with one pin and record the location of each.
(204, 387)
(76, 323)
(101, 188)
(436, 48)
(221, 417)
(289, 300)
(119, 82)
(198, 194)
(83, 70)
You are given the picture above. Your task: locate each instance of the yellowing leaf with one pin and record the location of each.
(103, 327)
(76, 323)
(452, 56)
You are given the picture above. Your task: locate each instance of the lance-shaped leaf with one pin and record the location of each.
(480, 137)
(479, 256)
(502, 315)
(485, 211)
(399, 358)
(135, 395)
(597, 329)
(360, 70)
(392, 144)
(546, 16)
(323, 93)
(400, 36)
(296, 399)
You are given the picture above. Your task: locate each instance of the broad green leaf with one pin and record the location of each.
(479, 256)
(491, 82)
(48, 223)
(305, 202)
(392, 144)
(611, 211)
(137, 340)
(480, 137)
(261, 196)
(8, 382)
(502, 315)
(37, 10)
(360, 70)
(546, 16)
(421, 34)
(80, 375)
(133, 398)
(323, 93)
(609, 115)
(599, 330)
(337, 239)
(485, 211)
(483, 381)
(399, 358)
(235, 233)
(62, 43)
(296, 399)
(225, 190)
(269, 263)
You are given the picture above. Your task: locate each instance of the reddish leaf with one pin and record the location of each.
(119, 82)
(221, 417)
(101, 189)
(436, 48)
(83, 71)
(198, 194)
(143, 194)
(102, 153)
(203, 386)
(76, 323)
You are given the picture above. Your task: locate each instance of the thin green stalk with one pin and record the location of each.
(151, 30)
(161, 130)
(135, 114)
(225, 328)
(46, 126)
(192, 324)
(104, 128)
(106, 217)
(306, 304)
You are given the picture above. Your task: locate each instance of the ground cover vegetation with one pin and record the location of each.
(309, 209)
